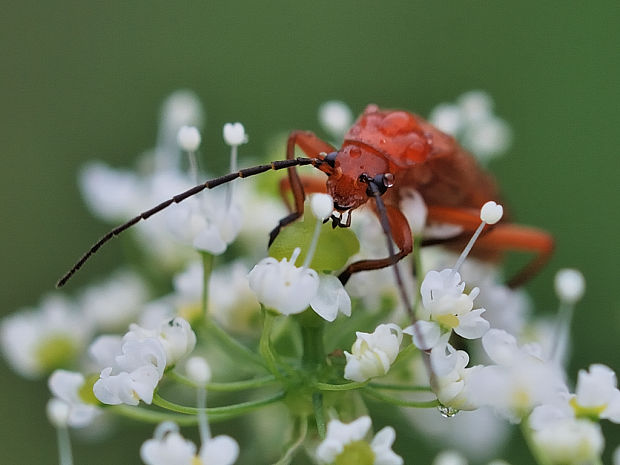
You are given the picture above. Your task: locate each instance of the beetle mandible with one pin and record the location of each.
(382, 153)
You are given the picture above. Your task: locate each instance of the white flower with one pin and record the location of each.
(66, 386)
(373, 353)
(345, 441)
(198, 370)
(570, 442)
(322, 205)
(36, 341)
(114, 303)
(448, 118)
(57, 412)
(569, 285)
(175, 334)
(220, 450)
(188, 138)
(449, 457)
(132, 374)
(597, 394)
(234, 134)
(335, 117)
(167, 447)
(519, 381)
(283, 286)
(443, 298)
(450, 379)
(208, 223)
(491, 212)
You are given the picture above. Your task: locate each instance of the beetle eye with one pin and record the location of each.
(330, 159)
(388, 179)
(364, 178)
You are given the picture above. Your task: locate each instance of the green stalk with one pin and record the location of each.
(317, 404)
(340, 387)
(400, 387)
(229, 410)
(226, 387)
(302, 426)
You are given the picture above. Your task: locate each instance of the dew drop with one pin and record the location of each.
(447, 412)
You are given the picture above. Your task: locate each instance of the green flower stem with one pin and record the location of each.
(538, 455)
(301, 425)
(400, 387)
(151, 416)
(399, 402)
(65, 457)
(340, 387)
(317, 404)
(228, 411)
(312, 327)
(226, 387)
(264, 345)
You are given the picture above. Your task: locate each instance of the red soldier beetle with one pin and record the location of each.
(384, 152)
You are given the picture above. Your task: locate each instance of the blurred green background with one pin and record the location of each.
(83, 80)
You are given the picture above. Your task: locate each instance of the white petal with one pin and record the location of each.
(210, 240)
(220, 450)
(472, 325)
(425, 334)
(330, 298)
(381, 445)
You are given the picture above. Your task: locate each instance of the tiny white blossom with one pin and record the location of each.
(597, 393)
(167, 447)
(198, 370)
(114, 303)
(220, 450)
(188, 138)
(451, 377)
(519, 381)
(449, 457)
(569, 285)
(570, 442)
(234, 134)
(322, 205)
(335, 117)
(175, 334)
(66, 385)
(36, 341)
(58, 412)
(446, 303)
(491, 212)
(283, 286)
(343, 439)
(447, 117)
(373, 353)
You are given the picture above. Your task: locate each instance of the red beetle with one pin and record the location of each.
(385, 151)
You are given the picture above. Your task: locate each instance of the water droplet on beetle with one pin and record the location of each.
(447, 412)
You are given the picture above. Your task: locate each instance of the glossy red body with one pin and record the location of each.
(418, 155)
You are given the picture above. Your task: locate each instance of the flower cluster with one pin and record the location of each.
(283, 330)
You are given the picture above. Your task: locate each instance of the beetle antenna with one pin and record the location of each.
(210, 184)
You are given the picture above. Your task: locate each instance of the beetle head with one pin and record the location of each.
(350, 171)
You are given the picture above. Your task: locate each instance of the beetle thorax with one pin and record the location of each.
(344, 183)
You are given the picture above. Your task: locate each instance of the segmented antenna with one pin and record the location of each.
(210, 184)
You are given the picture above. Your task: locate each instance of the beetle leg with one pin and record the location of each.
(497, 238)
(312, 146)
(401, 234)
